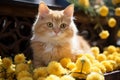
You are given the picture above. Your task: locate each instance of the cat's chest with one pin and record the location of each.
(57, 48)
(49, 47)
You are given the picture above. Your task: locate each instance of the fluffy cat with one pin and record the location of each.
(55, 36)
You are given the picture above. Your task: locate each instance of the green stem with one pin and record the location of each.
(83, 61)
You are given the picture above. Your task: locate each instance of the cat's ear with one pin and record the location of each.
(43, 9)
(68, 11)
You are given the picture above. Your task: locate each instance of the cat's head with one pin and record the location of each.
(54, 24)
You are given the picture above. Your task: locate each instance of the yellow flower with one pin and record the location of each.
(118, 33)
(0, 60)
(71, 65)
(103, 11)
(105, 53)
(76, 73)
(23, 74)
(26, 78)
(2, 72)
(90, 57)
(117, 11)
(19, 58)
(108, 65)
(95, 51)
(95, 76)
(101, 57)
(117, 59)
(55, 68)
(114, 64)
(100, 66)
(115, 2)
(112, 22)
(96, 69)
(111, 49)
(2, 78)
(6, 62)
(65, 61)
(52, 77)
(79, 55)
(104, 34)
(22, 67)
(118, 49)
(83, 64)
(11, 69)
(40, 78)
(67, 77)
(111, 57)
(40, 72)
(84, 3)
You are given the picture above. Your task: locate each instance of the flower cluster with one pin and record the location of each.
(18, 68)
(89, 66)
(97, 9)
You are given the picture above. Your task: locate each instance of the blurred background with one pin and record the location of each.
(63, 3)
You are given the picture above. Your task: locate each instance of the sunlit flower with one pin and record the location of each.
(95, 76)
(40, 72)
(104, 34)
(117, 59)
(100, 66)
(84, 3)
(112, 22)
(7, 62)
(101, 57)
(95, 51)
(91, 57)
(118, 33)
(19, 58)
(108, 65)
(22, 67)
(105, 53)
(11, 69)
(83, 64)
(2, 72)
(111, 49)
(67, 77)
(55, 68)
(23, 74)
(0, 60)
(77, 74)
(71, 65)
(114, 63)
(103, 11)
(26, 78)
(65, 61)
(115, 2)
(41, 78)
(117, 11)
(52, 77)
(96, 69)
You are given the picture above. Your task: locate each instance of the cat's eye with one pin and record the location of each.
(63, 26)
(50, 25)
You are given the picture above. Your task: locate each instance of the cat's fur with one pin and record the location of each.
(55, 43)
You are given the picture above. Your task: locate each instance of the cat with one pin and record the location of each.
(55, 36)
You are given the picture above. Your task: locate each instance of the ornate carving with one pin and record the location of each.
(15, 34)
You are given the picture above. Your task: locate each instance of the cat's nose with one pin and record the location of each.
(56, 31)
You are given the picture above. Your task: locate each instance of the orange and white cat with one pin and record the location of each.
(55, 36)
